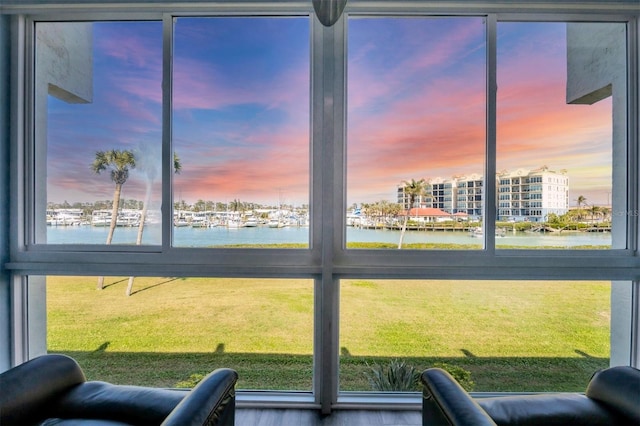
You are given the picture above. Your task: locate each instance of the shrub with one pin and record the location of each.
(398, 376)
(193, 380)
(461, 375)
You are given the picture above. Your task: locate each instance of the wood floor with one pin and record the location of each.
(286, 417)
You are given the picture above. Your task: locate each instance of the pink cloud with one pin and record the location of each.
(434, 128)
(135, 82)
(200, 85)
(438, 128)
(134, 109)
(408, 121)
(368, 83)
(535, 123)
(146, 88)
(251, 171)
(133, 48)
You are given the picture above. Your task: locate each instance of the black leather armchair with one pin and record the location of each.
(612, 398)
(53, 390)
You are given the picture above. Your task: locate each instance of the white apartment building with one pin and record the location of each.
(424, 200)
(532, 194)
(443, 194)
(523, 194)
(469, 195)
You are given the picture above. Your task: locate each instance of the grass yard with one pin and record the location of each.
(512, 336)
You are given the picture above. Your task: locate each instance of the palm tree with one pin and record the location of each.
(581, 200)
(119, 163)
(146, 164)
(384, 207)
(595, 212)
(413, 189)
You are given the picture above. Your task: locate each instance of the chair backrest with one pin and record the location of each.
(618, 388)
(30, 388)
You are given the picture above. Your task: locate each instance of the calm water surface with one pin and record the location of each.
(203, 237)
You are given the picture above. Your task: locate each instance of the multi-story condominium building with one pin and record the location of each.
(423, 200)
(469, 195)
(532, 194)
(442, 194)
(523, 194)
(439, 193)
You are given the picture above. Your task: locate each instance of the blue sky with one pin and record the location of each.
(416, 108)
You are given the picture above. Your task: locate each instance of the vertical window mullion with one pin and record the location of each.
(167, 167)
(490, 160)
(633, 134)
(22, 226)
(337, 59)
(328, 197)
(321, 361)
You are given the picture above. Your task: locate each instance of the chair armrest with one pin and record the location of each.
(454, 405)
(211, 402)
(30, 389)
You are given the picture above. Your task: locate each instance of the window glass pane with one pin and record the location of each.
(561, 109)
(241, 132)
(416, 125)
(98, 132)
(170, 331)
(513, 336)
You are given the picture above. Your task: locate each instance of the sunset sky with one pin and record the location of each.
(416, 108)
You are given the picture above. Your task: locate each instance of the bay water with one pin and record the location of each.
(222, 236)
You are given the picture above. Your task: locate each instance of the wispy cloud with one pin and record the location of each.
(416, 103)
(424, 115)
(416, 108)
(201, 85)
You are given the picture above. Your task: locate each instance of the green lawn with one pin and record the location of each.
(512, 336)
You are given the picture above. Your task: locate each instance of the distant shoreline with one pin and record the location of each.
(300, 237)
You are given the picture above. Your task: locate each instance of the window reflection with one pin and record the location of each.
(98, 132)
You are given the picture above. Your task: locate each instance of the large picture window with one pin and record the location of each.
(556, 134)
(507, 336)
(172, 331)
(98, 132)
(416, 134)
(416, 131)
(241, 131)
(414, 184)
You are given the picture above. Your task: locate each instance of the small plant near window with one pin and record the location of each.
(191, 382)
(461, 375)
(397, 376)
